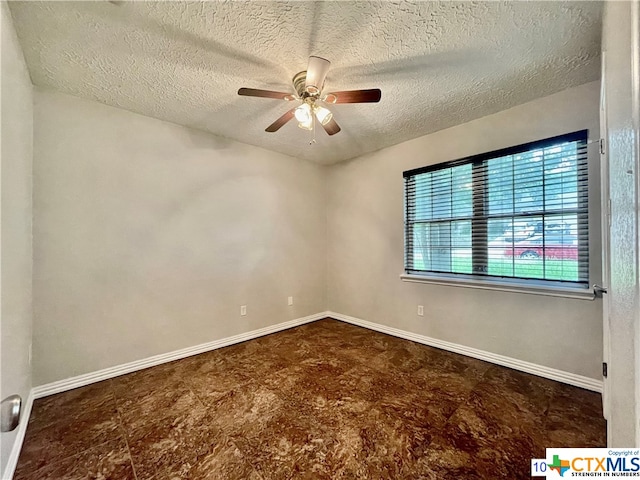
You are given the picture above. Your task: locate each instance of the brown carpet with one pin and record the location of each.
(325, 400)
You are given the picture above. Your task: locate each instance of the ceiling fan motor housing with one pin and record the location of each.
(299, 80)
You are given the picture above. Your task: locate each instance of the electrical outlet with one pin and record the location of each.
(290, 301)
(421, 310)
(243, 310)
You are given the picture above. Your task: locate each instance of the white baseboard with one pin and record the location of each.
(521, 365)
(527, 367)
(111, 372)
(10, 469)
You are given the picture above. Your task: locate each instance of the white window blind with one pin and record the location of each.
(520, 212)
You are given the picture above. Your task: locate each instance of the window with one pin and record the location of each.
(520, 213)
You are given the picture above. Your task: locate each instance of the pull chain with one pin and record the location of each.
(313, 120)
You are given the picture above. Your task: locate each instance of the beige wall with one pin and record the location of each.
(15, 252)
(149, 236)
(365, 245)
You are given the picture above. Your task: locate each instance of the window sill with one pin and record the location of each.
(503, 286)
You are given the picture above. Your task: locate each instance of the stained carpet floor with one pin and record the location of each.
(326, 400)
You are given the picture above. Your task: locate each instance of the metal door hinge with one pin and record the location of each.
(604, 369)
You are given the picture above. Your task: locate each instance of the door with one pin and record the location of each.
(621, 166)
(606, 223)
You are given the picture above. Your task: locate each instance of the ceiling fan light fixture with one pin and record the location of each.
(323, 115)
(308, 85)
(306, 125)
(303, 113)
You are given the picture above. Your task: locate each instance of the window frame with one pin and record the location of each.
(565, 288)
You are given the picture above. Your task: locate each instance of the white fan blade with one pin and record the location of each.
(316, 73)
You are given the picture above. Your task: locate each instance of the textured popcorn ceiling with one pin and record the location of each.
(438, 64)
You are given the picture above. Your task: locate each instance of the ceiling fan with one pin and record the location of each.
(308, 86)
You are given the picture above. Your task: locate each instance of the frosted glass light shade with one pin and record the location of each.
(303, 113)
(323, 115)
(306, 125)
